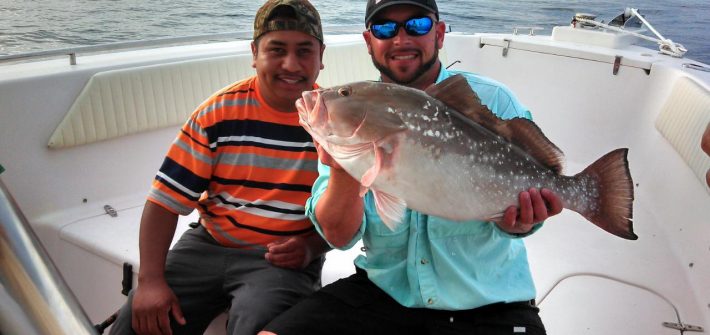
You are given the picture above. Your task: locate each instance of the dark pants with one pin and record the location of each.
(209, 279)
(355, 305)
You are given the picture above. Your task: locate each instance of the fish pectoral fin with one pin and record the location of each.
(363, 191)
(390, 209)
(496, 217)
(369, 177)
(381, 159)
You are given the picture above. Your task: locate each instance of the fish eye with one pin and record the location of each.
(344, 91)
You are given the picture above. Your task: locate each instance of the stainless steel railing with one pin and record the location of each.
(34, 299)
(73, 52)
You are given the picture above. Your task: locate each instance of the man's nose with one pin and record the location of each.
(401, 37)
(290, 62)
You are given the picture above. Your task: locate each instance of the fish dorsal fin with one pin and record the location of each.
(527, 136)
(457, 94)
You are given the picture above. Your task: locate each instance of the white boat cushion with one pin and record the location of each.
(682, 122)
(127, 101)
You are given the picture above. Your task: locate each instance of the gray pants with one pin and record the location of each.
(209, 279)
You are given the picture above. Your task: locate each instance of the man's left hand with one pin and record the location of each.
(534, 207)
(292, 253)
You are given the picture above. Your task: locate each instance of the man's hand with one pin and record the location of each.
(535, 207)
(290, 253)
(326, 158)
(152, 302)
(296, 252)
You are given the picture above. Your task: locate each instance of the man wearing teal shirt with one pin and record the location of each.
(430, 275)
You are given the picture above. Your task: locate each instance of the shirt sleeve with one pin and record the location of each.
(319, 187)
(498, 98)
(186, 170)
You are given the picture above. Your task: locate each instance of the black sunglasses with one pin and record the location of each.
(416, 26)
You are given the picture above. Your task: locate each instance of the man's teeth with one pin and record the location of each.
(404, 57)
(290, 81)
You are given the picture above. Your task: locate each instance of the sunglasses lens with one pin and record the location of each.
(418, 26)
(384, 30)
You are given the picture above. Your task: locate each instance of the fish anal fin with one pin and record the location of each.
(497, 217)
(390, 209)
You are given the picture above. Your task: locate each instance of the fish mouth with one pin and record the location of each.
(315, 117)
(311, 110)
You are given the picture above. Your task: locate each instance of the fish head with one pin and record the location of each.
(349, 114)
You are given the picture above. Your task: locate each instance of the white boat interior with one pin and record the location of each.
(81, 142)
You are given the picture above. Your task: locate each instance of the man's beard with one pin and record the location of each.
(420, 71)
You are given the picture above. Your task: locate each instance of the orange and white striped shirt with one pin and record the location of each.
(245, 166)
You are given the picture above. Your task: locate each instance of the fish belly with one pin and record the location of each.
(459, 180)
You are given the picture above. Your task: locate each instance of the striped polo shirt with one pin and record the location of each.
(245, 166)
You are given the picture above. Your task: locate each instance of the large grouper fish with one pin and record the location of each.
(441, 152)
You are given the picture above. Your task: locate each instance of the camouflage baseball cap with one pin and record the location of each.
(305, 18)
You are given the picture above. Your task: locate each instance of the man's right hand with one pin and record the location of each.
(326, 158)
(152, 303)
(340, 209)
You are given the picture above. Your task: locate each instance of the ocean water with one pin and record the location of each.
(27, 25)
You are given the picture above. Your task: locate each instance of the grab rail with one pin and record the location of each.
(35, 299)
(72, 52)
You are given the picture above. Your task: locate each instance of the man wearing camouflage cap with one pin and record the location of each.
(243, 161)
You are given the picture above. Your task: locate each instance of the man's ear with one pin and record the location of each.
(254, 51)
(368, 38)
(440, 33)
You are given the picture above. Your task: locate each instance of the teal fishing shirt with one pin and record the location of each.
(431, 262)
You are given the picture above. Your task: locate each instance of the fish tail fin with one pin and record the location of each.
(613, 211)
